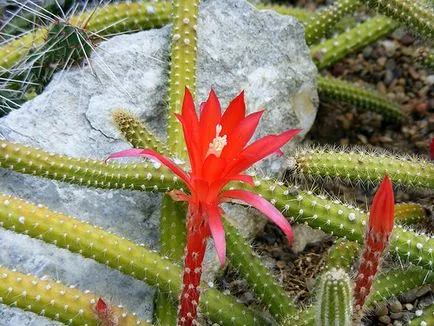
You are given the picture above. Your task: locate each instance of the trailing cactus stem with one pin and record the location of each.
(136, 133)
(332, 50)
(56, 301)
(323, 21)
(85, 172)
(111, 18)
(111, 250)
(365, 167)
(338, 90)
(424, 317)
(426, 56)
(410, 213)
(334, 304)
(342, 255)
(242, 257)
(398, 281)
(172, 244)
(417, 15)
(182, 67)
(301, 14)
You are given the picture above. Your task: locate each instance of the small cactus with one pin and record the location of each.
(334, 299)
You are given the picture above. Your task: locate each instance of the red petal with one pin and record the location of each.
(241, 135)
(261, 149)
(243, 178)
(134, 152)
(101, 306)
(178, 195)
(217, 231)
(432, 148)
(381, 216)
(192, 142)
(233, 114)
(209, 118)
(263, 206)
(213, 167)
(188, 110)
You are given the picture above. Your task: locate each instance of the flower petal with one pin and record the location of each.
(209, 118)
(241, 135)
(134, 152)
(178, 195)
(235, 112)
(259, 150)
(263, 206)
(191, 136)
(243, 178)
(381, 216)
(217, 231)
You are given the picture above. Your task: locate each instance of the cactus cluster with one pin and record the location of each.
(27, 65)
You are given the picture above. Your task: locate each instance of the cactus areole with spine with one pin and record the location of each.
(218, 153)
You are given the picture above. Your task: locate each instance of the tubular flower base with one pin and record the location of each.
(380, 226)
(431, 148)
(218, 153)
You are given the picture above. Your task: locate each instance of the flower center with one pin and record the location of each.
(218, 143)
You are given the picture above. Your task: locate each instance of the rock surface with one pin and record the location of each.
(240, 48)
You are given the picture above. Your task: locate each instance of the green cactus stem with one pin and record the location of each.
(410, 213)
(85, 172)
(106, 248)
(332, 50)
(321, 22)
(353, 165)
(426, 57)
(242, 257)
(112, 18)
(136, 133)
(338, 90)
(424, 317)
(398, 281)
(300, 14)
(417, 15)
(182, 67)
(334, 299)
(342, 255)
(56, 301)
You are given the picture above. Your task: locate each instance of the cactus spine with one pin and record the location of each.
(250, 267)
(56, 301)
(182, 67)
(354, 165)
(334, 305)
(332, 50)
(338, 90)
(320, 23)
(416, 15)
(121, 254)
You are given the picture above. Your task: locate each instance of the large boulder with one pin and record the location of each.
(239, 48)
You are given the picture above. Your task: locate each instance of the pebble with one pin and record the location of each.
(395, 306)
(409, 306)
(385, 319)
(412, 295)
(381, 310)
(396, 315)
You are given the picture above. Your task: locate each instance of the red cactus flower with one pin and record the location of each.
(104, 313)
(431, 148)
(218, 153)
(380, 225)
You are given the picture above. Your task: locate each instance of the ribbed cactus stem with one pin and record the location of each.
(398, 281)
(334, 304)
(341, 91)
(410, 213)
(342, 255)
(355, 165)
(424, 317)
(85, 172)
(182, 67)
(136, 132)
(111, 250)
(426, 57)
(323, 21)
(417, 15)
(56, 301)
(116, 17)
(332, 50)
(243, 259)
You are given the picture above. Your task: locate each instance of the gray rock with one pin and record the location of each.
(240, 48)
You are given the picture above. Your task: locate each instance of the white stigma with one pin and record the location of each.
(218, 143)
